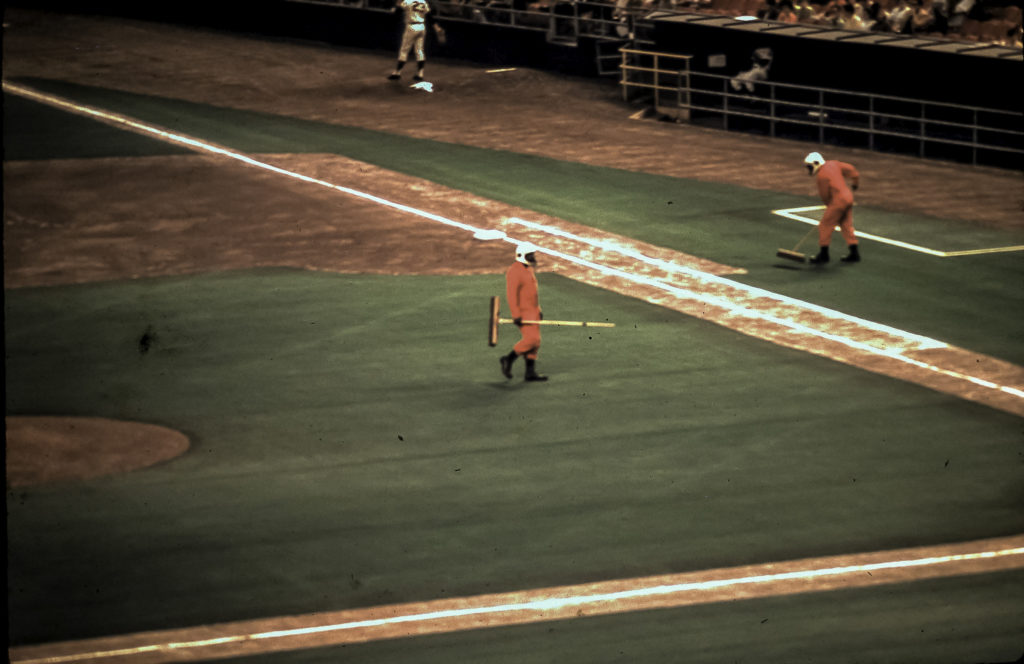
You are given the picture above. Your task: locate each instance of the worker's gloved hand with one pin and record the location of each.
(518, 321)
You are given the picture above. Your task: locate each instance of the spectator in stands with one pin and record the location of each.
(769, 11)
(787, 13)
(1015, 37)
(961, 10)
(804, 10)
(860, 20)
(940, 16)
(827, 13)
(843, 14)
(852, 16)
(922, 20)
(876, 17)
(899, 17)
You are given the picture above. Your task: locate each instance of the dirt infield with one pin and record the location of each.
(46, 450)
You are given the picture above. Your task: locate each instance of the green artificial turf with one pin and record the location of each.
(353, 444)
(973, 302)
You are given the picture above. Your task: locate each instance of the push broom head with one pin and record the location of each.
(791, 255)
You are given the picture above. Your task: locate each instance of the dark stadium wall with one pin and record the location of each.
(870, 68)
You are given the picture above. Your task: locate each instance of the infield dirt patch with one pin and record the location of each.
(45, 450)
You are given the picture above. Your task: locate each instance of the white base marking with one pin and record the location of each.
(792, 213)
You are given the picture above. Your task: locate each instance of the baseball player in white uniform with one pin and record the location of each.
(414, 36)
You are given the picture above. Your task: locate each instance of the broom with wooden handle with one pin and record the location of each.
(794, 253)
(494, 320)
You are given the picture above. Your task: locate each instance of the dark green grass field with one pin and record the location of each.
(346, 452)
(353, 443)
(973, 302)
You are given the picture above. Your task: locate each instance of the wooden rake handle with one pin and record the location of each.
(569, 323)
(494, 320)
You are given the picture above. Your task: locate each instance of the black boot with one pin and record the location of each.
(531, 371)
(822, 256)
(853, 256)
(506, 363)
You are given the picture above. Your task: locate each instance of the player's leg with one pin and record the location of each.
(531, 339)
(403, 53)
(850, 235)
(421, 54)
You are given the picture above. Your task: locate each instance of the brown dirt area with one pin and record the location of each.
(46, 450)
(110, 223)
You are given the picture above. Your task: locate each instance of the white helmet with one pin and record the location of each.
(814, 161)
(525, 253)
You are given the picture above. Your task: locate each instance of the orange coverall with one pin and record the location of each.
(838, 200)
(524, 302)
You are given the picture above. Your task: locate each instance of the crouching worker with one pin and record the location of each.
(831, 178)
(524, 305)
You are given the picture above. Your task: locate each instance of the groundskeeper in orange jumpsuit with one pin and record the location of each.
(524, 304)
(831, 177)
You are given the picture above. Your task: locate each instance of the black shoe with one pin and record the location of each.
(506, 366)
(534, 376)
(394, 77)
(821, 258)
(853, 256)
(417, 78)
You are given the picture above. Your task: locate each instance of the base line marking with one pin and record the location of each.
(791, 213)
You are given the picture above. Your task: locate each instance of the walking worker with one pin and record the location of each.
(831, 177)
(414, 36)
(524, 304)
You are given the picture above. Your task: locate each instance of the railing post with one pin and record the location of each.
(725, 104)
(920, 151)
(657, 83)
(974, 138)
(821, 117)
(871, 123)
(623, 64)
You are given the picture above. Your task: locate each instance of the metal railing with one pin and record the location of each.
(564, 21)
(877, 122)
(664, 77)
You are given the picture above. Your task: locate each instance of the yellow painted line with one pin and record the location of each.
(500, 71)
(922, 343)
(539, 605)
(792, 213)
(993, 250)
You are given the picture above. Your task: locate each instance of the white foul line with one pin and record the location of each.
(791, 213)
(724, 303)
(606, 597)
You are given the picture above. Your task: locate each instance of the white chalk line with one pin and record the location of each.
(602, 598)
(922, 343)
(792, 213)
